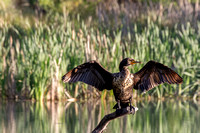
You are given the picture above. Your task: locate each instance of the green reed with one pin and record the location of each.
(34, 59)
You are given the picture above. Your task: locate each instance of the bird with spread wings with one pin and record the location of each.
(123, 83)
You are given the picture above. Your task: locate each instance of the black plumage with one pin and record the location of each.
(122, 83)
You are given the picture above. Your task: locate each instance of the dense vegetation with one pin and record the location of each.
(35, 53)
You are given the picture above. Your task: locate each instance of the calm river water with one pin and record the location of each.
(168, 116)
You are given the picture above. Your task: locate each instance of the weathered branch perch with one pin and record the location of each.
(107, 118)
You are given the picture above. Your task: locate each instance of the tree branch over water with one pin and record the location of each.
(107, 118)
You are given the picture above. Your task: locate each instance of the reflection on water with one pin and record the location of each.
(60, 117)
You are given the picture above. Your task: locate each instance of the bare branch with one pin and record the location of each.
(107, 118)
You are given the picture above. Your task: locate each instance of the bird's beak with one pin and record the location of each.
(134, 62)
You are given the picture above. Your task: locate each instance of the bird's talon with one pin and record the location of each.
(132, 109)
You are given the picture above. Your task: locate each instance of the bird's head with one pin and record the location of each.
(127, 62)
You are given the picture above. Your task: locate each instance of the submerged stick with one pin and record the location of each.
(107, 118)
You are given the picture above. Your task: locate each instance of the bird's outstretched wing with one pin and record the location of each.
(153, 74)
(91, 73)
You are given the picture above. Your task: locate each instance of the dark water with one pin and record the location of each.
(65, 117)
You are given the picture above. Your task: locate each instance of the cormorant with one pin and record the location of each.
(122, 83)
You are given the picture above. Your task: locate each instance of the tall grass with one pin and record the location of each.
(34, 59)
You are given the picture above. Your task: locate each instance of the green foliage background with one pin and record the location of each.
(40, 44)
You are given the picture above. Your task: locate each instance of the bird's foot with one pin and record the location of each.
(132, 109)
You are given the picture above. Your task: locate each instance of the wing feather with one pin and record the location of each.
(91, 73)
(153, 74)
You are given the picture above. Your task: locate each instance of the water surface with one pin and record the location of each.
(168, 116)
